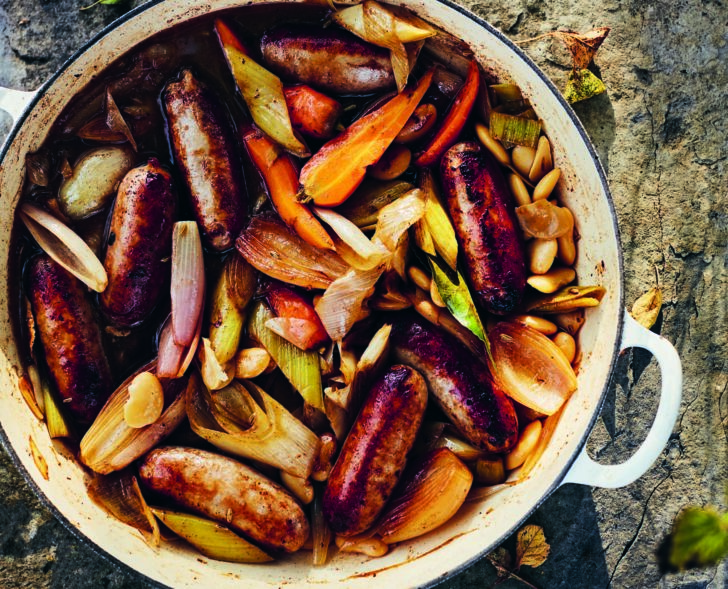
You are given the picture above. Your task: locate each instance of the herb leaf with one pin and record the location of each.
(531, 547)
(699, 537)
(454, 292)
(501, 559)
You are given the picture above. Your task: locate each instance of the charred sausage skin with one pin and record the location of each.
(204, 150)
(227, 491)
(460, 383)
(139, 244)
(375, 451)
(331, 59)
(483, 213)
(71, 338)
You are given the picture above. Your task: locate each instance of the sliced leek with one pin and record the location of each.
(301, 368)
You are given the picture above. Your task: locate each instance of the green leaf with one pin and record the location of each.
(581, 85)
(454, 292)
(699, 537)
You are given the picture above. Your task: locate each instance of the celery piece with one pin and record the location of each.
(512, 129)
(301, 368)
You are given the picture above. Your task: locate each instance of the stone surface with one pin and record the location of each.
(662, 136)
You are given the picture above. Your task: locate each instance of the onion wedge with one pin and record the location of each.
(244, 420)
(428, 497)
(64, 246)
(188, 281)
(110, 444)
(272, 248)
(353, 236)
(530, 367)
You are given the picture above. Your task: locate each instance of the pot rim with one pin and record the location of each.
(109, 29)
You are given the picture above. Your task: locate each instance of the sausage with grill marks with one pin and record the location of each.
(204, 150)
(71, 338)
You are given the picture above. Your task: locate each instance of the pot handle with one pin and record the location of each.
(585, 471)
(14, 102)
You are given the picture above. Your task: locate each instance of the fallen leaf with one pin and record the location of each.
(646, 309)
(583, 46)
(501, 560)
(581, 85)
(699, 538)
(531, 547)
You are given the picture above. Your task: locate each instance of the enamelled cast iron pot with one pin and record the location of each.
(479, 526)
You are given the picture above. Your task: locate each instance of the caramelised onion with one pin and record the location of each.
(246, 421)
(530, 367)
(121, 496)
(371, 253)
(210, 538)
(343, 302)
(544, 220)
(111, 444)
(188, 281)
(276, 251)
(381, 26)
(64, 246)
(427, 498)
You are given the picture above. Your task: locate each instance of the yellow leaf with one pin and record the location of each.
(581, 85)
(531, 547)
(646, 309)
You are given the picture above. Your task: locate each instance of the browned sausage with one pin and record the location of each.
(375, 451)
(327, 59)
(483, 212)
(460, 383)
(204, 150)
(139, 244)
(71, 338)
(225, 490)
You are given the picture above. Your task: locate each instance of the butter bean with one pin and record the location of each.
(541, 255)
(553, 280)
(491, 144)
(567, 245)
(419, 124)
(566, 344)
(522, 158)
(538, 323)
(542, 160)
(392, 164)
(527, 442)
(546, 185)
(519, 190)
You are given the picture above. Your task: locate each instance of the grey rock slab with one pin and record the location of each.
(661, 133)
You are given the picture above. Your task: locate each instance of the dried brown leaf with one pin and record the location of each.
(502, 561)
(646, 309)
(583, 46)
(531, 547)
(115, 121)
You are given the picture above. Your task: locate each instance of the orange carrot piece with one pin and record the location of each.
(281, 178)
(454, 121)
(227, 38)
(285, 302)
(335, 171)
(312, 113)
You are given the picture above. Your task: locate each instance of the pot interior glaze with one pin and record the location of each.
(479, 526)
